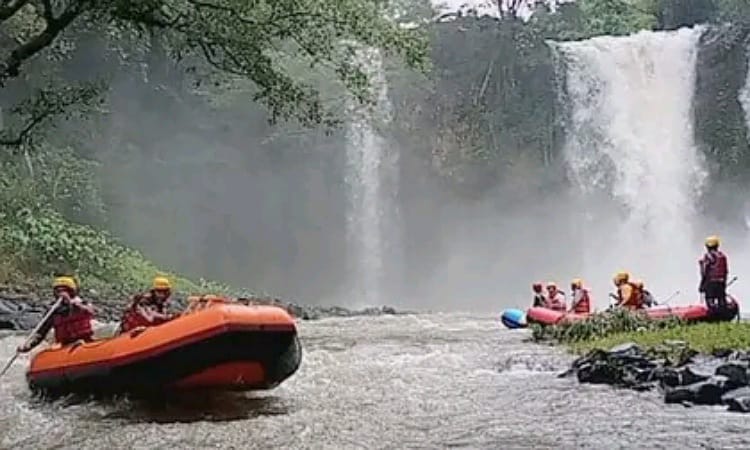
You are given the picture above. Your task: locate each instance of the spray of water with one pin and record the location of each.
(372, 179)
(632, 156)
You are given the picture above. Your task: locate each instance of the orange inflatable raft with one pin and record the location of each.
(215, 344)
(690, 313)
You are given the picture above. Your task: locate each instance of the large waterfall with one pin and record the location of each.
(631, 153)
(372, 178)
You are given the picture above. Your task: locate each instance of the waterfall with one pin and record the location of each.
(631, 155)
(372, 179)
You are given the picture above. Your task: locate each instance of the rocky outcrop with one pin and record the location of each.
(22, 310)
(681, 374)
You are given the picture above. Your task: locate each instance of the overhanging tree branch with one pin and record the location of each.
(10, 68)
(8, 8)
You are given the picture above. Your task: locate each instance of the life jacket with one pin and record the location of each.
(72, 324)
(556, 302)
(583, 305)
(634, 300)
(132, 318)
(539, 300)
(714, 266)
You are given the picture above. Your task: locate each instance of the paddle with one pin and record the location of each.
(35, 331)
(670, 298)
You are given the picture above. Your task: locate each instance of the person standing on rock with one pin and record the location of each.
(539, 299)
(714, 269)
(555, 299)
(581, 303)
(71, 320)
(148, 309)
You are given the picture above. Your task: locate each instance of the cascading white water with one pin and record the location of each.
(744, 95)
(631, 152)
(372, 178)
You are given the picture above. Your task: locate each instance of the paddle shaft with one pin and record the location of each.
(33, 333)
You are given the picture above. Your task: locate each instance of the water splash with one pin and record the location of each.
(631, 153)
(372, 178)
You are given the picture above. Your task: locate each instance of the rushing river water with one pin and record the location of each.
(426, 381)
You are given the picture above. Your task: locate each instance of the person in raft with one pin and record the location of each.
(581, 303)
(714, 268)
(628, 295)
(539, 299)
(148, 309)
(71, 320)
(555, 298)
(648, 299)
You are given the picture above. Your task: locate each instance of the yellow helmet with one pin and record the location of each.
(576, 283)
(712, 241)
(161, 283)
(638, 284)
(621, 277)
(551, 284)
(66, 282)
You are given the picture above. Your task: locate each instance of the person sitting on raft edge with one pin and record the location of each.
(148, 309)
(71, 319)
(555, 298)
(648, 299)
(628, 295)
(539, 298)
(714, 269)
(581, 303)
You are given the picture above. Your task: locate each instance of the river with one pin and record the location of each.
(423, 381)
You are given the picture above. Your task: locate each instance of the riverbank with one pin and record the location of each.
(690, 364)
(21, 307)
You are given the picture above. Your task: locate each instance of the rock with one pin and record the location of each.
(707, 392)
(738, 400)
(705, 380)
(736, 373)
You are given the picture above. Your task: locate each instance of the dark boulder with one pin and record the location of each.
(685, 376)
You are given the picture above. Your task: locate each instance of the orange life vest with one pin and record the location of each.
(72, 325)
(584, 304)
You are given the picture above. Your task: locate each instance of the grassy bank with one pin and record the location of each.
(605, 330)
(38, 244)
(704, 337)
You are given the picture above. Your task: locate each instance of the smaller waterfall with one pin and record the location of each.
(372, 179)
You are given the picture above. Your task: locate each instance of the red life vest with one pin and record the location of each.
(584, 304)
(132, 318)
(714, 266)
(556, 302)
(73, 325)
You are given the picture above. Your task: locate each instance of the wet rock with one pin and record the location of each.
(736, 373)
(707, 392)
(738, 400)
(698, 380)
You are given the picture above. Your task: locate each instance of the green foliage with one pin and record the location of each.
(618, 17)
(601, 325)
(232, 37)
(705, 337)
(43, 242)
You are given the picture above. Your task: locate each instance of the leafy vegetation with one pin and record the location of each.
(601, 325)
(483, 115)
(705, 337)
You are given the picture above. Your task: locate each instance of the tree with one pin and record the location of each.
(232, 37)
